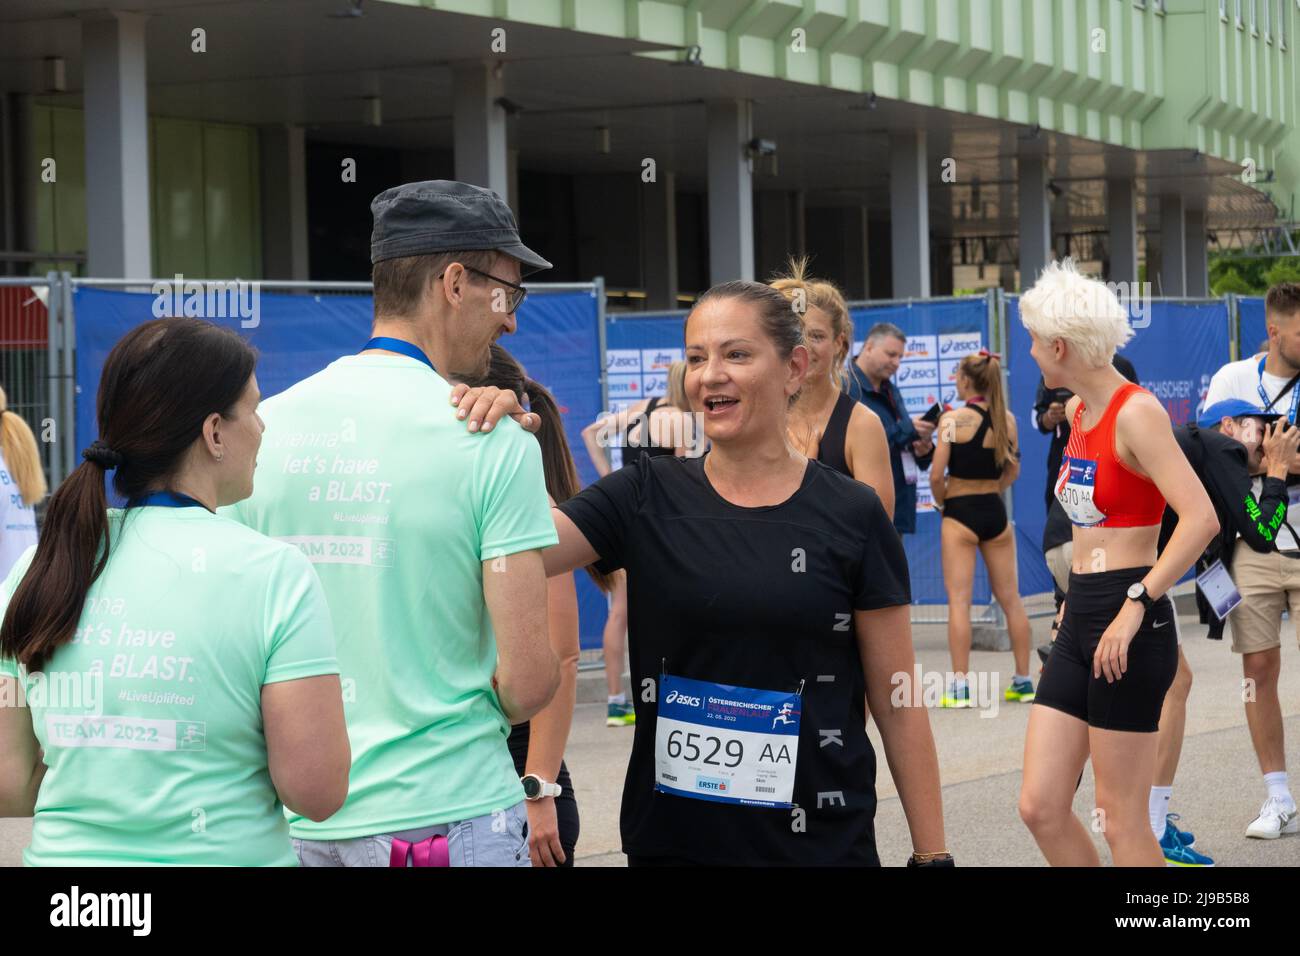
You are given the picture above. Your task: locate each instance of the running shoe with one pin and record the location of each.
(620, 715)
(1178, 853)
(957, 696)
(1021, 690)
(1275, 818)
(1186, 836)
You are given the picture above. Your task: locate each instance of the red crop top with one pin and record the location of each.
(1094, 486)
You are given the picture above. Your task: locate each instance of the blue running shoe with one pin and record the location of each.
(1183, 835)
(1021, 689)
(1178, 854)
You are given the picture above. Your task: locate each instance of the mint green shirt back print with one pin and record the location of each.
(150, 719)
(365, 468)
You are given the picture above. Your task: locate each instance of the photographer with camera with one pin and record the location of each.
(1268, 583)
(1231, 441)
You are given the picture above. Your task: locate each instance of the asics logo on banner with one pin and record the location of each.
(917, 374)
(959, 347)
(683, 699)
(621, 362)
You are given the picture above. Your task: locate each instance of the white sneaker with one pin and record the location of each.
(1275, 818)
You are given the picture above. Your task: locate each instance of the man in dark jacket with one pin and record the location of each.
(1229, 443)
(910, 445)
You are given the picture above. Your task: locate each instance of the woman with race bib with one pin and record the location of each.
(767, 594)
(1116, 652)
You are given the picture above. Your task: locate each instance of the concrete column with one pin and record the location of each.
(479, 127)
(512, 180)
(798, 209)
(117, 145)
(1173, 248)
(1121, 223)
(1035, 218)
(659, 263)
(856, 243)
(774, 231)
(731, 194)
(909, 221)
(284, 202)
(1198, 269)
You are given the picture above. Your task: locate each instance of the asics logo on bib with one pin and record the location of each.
(682, 699)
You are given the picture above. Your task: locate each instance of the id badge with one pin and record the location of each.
(726, 744)
(1075, 484)
(1216, 584)
(910, 471)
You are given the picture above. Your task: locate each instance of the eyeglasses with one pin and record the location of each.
(517, 292)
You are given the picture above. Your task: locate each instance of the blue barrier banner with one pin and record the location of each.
(298, 335)
(939, 335)
(1176, 348)
(1253, 330)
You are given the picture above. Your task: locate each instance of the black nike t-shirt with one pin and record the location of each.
(761, 598)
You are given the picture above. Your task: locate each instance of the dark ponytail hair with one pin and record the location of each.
(159, 383)
(561, 474)
(777, 317)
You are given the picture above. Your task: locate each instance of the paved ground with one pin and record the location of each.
(1218, 790)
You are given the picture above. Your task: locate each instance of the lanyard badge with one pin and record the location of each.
(726, 744)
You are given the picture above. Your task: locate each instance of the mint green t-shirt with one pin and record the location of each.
(365, 467)
(151, 718)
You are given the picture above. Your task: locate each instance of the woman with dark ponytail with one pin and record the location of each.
(537, 746)
(175, 670)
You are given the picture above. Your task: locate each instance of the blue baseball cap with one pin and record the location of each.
(1233, 408)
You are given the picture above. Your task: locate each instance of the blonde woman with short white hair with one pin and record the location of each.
(1116, 652)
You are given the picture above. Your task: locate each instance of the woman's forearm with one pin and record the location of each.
(21, 800)
(548, 732)
(914, 765)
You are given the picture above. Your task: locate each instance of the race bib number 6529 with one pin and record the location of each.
(726, 744)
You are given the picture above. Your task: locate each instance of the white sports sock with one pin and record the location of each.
(1158, 808)
(1277, 787)
(1016, 677)
(618, 699)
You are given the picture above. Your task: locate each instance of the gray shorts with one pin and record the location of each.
(494, 839)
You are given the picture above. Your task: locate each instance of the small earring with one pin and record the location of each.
(221, 456)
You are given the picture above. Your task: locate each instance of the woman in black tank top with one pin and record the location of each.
(825, 423)
(975, 460)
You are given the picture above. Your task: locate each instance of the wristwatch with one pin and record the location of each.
(1138, 592)
(535, 788)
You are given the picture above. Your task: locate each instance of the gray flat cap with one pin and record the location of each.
(441, 215)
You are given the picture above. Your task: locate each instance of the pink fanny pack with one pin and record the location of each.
(430, 852)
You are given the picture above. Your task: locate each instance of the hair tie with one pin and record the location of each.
(100, 454)
(987, 354)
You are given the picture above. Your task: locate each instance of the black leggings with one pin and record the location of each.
(986, 515)
(1134, 701)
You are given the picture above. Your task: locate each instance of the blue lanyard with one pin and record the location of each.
(1266, 401)
(165, 499)
(400, 346)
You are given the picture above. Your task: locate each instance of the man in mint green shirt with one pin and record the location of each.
(427, 540)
